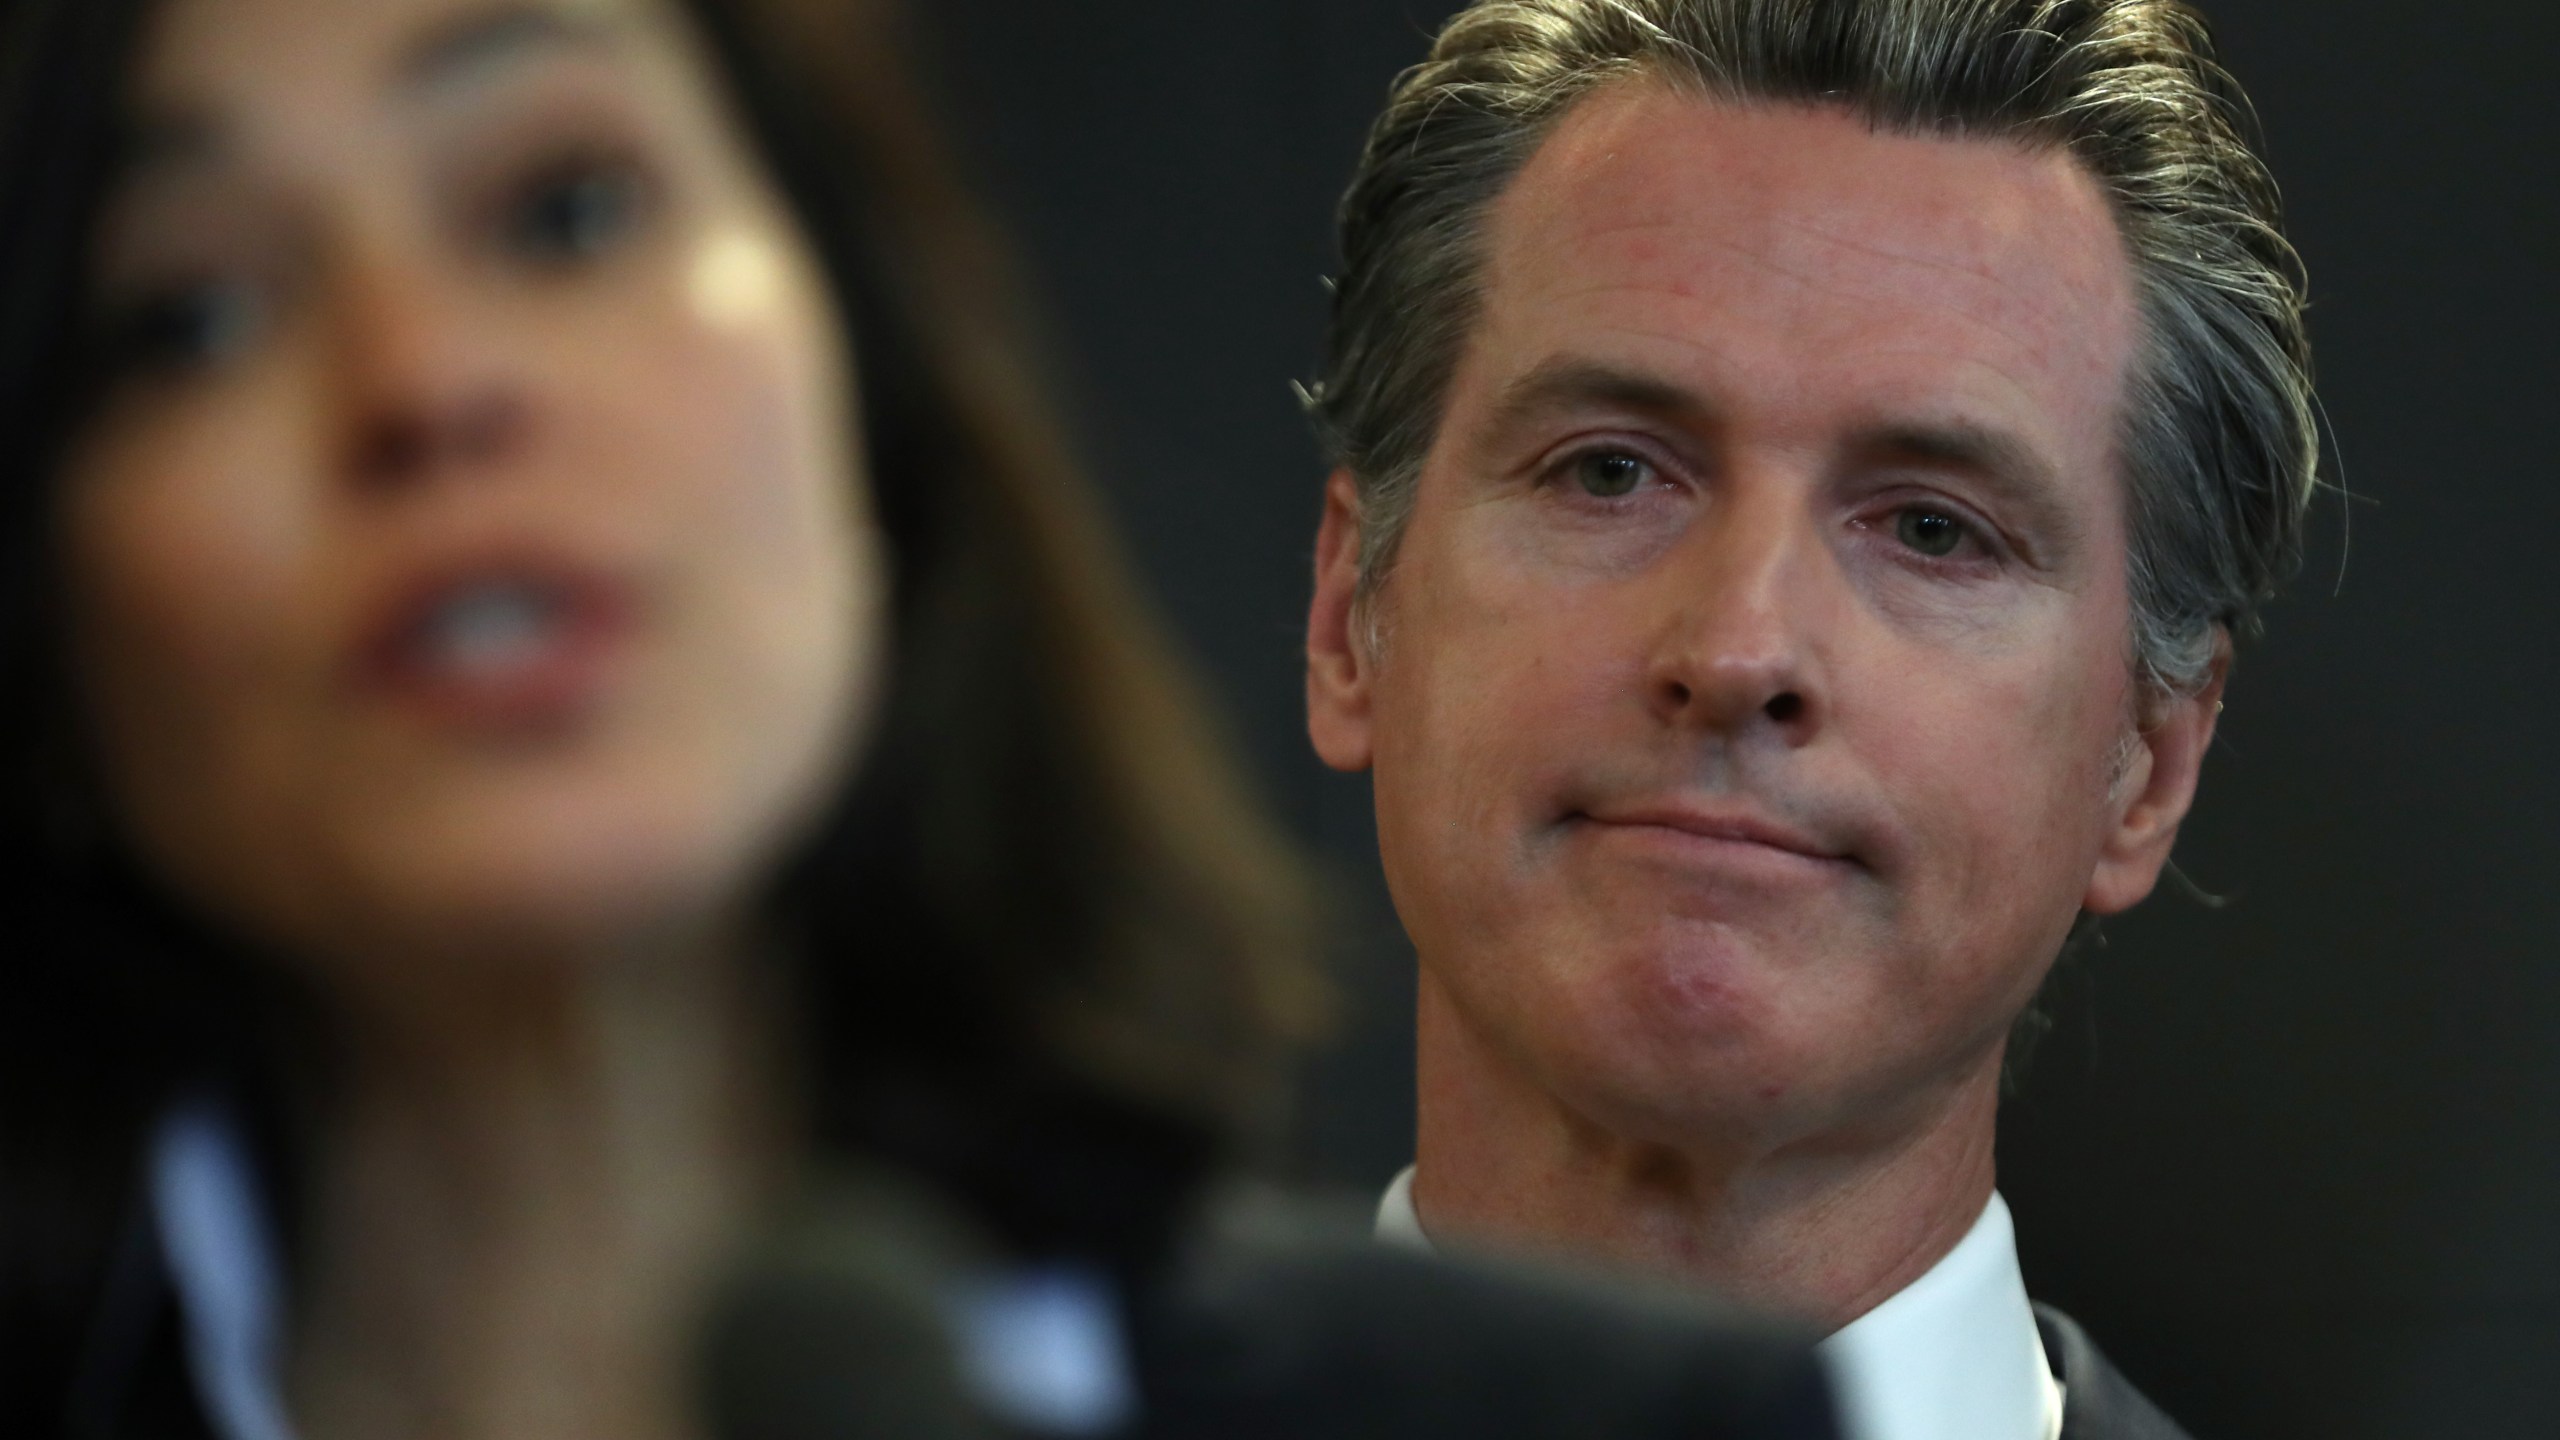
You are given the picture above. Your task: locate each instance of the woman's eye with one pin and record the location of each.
(191, 327)
(1609, 474)
(1933, 533)
(576, 213)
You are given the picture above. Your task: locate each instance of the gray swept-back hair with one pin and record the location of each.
(2219, 439)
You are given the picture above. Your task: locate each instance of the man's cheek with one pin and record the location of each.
(1954, 777)
(1456, 686)
(2008, 848)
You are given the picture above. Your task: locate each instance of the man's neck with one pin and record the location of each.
(1820, 1222)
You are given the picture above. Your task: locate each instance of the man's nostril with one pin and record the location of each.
(1786, 709)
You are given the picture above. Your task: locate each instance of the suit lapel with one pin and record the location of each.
(2098, 1403)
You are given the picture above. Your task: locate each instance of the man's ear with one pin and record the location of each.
(2157, 789)
(1339, 665)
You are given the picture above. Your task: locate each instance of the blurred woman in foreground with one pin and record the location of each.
(478, 478)
(561, 686)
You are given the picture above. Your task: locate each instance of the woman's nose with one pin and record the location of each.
(426, 386)
(405, 441)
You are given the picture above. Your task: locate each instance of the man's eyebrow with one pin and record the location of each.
(469, 46)
(1571, 383)
(2016, 473)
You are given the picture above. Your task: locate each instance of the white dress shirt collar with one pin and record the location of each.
(1954, 1355)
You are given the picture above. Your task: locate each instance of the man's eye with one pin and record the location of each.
(576, 213)
(1933, 533)
(1609, 474)
(189, 327)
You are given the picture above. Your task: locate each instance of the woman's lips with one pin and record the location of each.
(499, 646)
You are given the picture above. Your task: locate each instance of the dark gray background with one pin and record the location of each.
(2295, 1161)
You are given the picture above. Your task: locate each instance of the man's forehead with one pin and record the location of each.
(1807, 238)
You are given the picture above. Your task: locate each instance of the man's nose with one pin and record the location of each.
(1739, 599)
(425, 388)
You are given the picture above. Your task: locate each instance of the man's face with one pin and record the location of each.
(1753, 711)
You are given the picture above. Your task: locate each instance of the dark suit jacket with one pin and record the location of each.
(2098, 1403)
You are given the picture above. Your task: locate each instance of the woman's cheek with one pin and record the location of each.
(177, 566)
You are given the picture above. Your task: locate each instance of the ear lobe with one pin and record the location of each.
(1339, 668)
(2156, 793)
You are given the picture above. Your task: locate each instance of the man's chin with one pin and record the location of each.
(1732, 1100)
(1667, 1040)
(1680, 984)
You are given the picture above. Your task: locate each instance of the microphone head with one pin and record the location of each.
(832, 1326)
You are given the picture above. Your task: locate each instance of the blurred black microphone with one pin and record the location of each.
(870, 1313)
(834, 1325)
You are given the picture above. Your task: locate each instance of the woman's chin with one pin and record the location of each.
(557, 894)
(556, 912)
